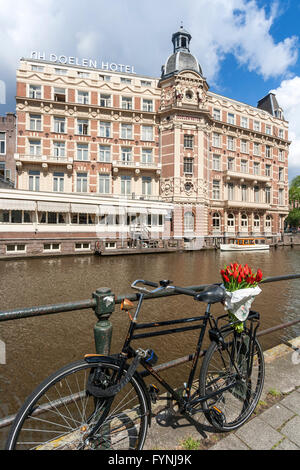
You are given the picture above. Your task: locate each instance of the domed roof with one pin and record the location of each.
(181, 59)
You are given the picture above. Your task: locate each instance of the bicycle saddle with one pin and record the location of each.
(211, 295)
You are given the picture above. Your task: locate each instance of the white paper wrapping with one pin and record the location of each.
(239, 301)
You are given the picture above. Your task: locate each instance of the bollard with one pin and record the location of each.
(105, 305)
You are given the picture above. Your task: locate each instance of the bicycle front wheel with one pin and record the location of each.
(223, 367)
(61, 415)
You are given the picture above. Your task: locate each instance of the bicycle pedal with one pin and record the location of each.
(218, 415)
(153, 392)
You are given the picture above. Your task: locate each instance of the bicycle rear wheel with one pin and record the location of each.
(60, 415)
(219, 369)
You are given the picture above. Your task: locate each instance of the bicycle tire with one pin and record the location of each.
(234, 406)
(60, 415)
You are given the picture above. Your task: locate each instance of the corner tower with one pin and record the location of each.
(184, 126)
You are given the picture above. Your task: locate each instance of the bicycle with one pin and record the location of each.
(102, 402)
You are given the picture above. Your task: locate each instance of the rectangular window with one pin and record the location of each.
(59, 149)
(146, 83)
(146, 186)
(244, 166)
(281, 197)
(105, 78)
(188, 141)
(104, 183)
(244, 122)
(217, 114)
(256, 149)
(2, 143)
(82, 126)
(83, 74)
(83, 219)
(230, 164)
(147, 156)
(105, 129)
(268, 195)
(34, 180)
(58, 182)
(105, 100)
(230, 118)
(256, 126)
(244, 193)
(188, 165)
(268, 170)
(256, 194)
(82, 246)
(230, 188)
(126, 102)
(35, 92)
(125, 80)
(216, 162)
(83, 97)
(244, 146)
(59, 125)
(59, 94)
(280, 174)
(216, 139)
(35, 148)
(104, 153)
(268, 130)
(51, 246)
(147, 133)
(230, 143)
(280, 134)
(37, 68)
(126, 131)
(256, 168)
(61, 71)
(20, 248)
(126, 154)
(82, 183)
(35, 122)
(82, 152)
(147, 105)
(268, 151)
(216, 189)
(281, 155)
(125, 185)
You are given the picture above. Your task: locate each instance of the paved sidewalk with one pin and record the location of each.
(278, 427)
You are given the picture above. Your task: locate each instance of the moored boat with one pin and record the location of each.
(245, 244)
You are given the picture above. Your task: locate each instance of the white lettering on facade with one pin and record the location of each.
(91, 63)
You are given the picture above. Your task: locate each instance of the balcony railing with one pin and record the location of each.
(231, 174)
(136, 165)
(50, 159)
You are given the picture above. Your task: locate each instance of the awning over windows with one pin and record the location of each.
(46, 206)
(136, 210)
(84, 209)
(21, 205)
(111, 210)
(158, 211)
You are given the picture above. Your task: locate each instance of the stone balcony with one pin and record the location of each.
(247, 204)
(242, 177)
(136, 166)
(44, 160)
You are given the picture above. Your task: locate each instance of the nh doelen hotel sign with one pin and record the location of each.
(91, 63)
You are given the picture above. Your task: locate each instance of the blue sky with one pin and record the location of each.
(246, 48)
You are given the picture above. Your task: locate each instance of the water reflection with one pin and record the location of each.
(37, 346)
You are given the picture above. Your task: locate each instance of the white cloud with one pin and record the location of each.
(288, 96)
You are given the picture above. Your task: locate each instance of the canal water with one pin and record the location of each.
(35, 347)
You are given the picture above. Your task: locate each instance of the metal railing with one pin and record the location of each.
(103, 304)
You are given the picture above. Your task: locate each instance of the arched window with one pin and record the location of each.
(244, 221)
(268, 222)
(256, 221)
(216, 220)
(230, 220)
(189, 221)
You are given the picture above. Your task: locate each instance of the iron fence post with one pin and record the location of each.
(105, 305)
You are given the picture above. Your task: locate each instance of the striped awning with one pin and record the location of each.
(53, 206)
(158, 211)
(137, 210)
(16, 204)
(111, 210)
(84, 209)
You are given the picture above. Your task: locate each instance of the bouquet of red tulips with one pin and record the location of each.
(241, 285)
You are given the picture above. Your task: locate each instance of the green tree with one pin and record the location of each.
(293, 219)
(294, 192)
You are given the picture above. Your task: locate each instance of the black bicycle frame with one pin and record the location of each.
(134, 326)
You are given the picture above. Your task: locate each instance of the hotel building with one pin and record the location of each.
(201, 167)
